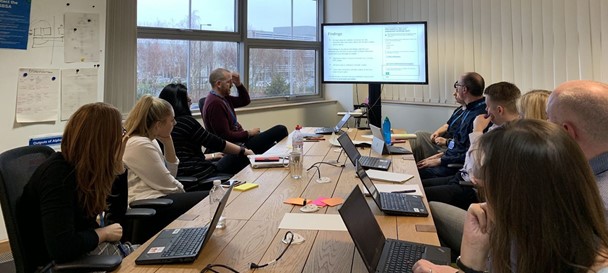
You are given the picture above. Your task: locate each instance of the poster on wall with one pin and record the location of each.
(14, 23)
(78, 87)
(82, 37)
(37, 95)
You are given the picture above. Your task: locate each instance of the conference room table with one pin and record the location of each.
(252, 231)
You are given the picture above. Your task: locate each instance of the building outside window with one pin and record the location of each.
(275, 47)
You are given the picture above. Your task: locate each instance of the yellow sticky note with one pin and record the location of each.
(246, 187)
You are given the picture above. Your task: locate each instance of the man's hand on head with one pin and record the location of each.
(236, 79)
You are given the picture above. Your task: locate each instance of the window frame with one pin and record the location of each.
(245, 45)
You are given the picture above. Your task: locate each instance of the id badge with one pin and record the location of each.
(451, 144)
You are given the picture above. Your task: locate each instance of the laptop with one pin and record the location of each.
(367, 162)
(181, 245)
(393, 203)
(378, 253)
(337, 129)
(379, 145)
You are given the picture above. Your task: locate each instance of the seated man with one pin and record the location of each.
(501, 101)
(469, 88)
(220, 118)
(426, 144)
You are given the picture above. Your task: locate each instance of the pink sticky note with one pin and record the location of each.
(319, 202)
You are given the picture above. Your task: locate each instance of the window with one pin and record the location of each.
(184, 40)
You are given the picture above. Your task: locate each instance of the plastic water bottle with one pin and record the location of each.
(215, 196)
(297, 140)
(296, 164)
(386, 131)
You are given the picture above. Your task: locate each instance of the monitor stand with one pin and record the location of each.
(374, 115)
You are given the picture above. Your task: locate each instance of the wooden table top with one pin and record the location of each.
(253, 217)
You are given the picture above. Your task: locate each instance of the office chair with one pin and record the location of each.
(134, 229)
(16, 168)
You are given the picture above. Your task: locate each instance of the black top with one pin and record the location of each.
(458, 152)
(188, 137)
(54, 221)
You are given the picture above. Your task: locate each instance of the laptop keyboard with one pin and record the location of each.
(402, 256)
(188, 242)
(372, 161)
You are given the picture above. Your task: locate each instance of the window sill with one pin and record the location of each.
(420, 103)
(262, 108)
(282, 105)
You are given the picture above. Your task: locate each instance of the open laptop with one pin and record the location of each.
(337, 129)
(368, 162)
(380, 146)
(380, 254)
(181, 245)
(393, 203)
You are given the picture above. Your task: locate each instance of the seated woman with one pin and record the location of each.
(60, 203)
(534, 104)
(188, 137)
(152, 173)
(543, 211)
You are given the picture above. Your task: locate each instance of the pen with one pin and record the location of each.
(404, 191)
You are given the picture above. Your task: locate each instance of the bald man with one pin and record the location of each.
(581, 108)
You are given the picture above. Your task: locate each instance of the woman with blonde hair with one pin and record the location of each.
(534, 104)
(543, 210)
(152, 172)
(65, 194)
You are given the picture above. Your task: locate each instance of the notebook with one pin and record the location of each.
(337, 129)
(365, 161)
(393, 203)
(181, 245)
(379, 146)
(389, 176)
(378, 253)
(268, 161)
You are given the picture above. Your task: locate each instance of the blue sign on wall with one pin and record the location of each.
(14, 23)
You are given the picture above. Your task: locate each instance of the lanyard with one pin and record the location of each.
(483, 103)
(458, 117)
(227, 105)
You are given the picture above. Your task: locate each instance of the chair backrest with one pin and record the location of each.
(201, 103)
(16, 168)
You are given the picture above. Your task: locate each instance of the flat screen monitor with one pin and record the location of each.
(392, 53)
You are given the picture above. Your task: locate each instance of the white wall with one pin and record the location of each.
(48, 56)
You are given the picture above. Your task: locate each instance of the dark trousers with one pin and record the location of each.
(182, 202)
(265, 140)
(439, 171)
(448, 190)
(231, 164)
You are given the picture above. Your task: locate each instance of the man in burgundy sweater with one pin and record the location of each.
(220, 118)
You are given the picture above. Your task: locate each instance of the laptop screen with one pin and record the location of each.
(342, 122)
(363, 228)
(369, 185)
(376, 132)
(349, 148)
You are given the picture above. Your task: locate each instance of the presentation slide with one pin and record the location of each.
(375, 53)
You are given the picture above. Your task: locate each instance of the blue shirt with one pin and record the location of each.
(458, 152)
(599, 165)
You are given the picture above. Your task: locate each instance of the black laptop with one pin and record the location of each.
(380, 254)
(181, 245)
(337, 129)
(367, 162)
(393, 203)
(380, 146)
